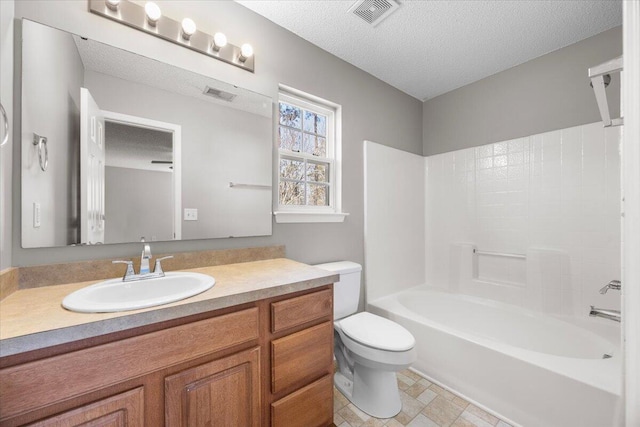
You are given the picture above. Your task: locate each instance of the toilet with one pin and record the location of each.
(369, 349)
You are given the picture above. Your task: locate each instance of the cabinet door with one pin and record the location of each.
(224, 392)
(122, 410)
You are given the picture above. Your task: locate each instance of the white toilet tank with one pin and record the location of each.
(346, 292)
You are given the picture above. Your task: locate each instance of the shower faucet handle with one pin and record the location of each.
(614, 284)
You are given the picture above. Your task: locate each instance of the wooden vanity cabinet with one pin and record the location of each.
(267, 363)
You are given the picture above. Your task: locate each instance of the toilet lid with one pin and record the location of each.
(377, 332)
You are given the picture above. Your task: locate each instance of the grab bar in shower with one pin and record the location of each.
(502, 254)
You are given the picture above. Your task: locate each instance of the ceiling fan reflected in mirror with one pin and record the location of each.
(162, 162)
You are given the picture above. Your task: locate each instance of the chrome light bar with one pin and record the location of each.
(128, 13)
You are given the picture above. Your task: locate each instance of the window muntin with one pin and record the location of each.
(306, 161)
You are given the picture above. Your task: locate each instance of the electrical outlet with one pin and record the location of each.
(36, 215)
(191, 214)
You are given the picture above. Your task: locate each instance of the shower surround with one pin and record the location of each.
(553, 197)
(491, 257)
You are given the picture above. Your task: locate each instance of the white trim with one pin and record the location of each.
(288, 90)
(283, 217)
(631, 208)
(176, 130)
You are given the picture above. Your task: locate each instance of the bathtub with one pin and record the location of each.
(526, 367)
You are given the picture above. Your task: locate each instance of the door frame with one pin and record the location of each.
(176, 130)
(631, 211)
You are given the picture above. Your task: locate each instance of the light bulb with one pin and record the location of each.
(246, 52)
(219, 41)
(153, 13)
(112, 4)
(188, 28)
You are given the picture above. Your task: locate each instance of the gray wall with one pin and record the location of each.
(6, 97)
(50, 108)
(147, 215)
(548, 93)
(372, 110)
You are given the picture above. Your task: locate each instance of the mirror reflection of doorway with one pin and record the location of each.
(139, 175)
(133, 162)
(92, 165)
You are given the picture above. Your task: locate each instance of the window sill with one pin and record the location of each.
(283, 217)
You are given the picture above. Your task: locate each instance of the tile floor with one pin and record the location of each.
(424, 404)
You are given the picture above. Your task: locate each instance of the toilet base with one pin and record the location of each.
(372, 391)
(343, 384)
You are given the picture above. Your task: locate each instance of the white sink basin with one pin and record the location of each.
(115, 295)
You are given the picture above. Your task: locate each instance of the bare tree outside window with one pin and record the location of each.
(304, 164)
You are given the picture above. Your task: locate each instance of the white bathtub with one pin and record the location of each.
(527, 367)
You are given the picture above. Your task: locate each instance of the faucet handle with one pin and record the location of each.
(614, 284)
(129, 271)
(158, 267)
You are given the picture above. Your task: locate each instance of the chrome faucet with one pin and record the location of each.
(144, 259)
(145, 273)
(614, 284)
(607, 314)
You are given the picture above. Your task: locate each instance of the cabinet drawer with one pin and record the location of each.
(301, 357)
(37, 384)
(311, 406)
(125, 409)
(300, 310)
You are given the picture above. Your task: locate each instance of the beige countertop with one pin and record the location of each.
(33, 319)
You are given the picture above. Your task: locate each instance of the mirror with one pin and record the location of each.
(117, 147)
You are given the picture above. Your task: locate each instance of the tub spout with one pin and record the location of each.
(607, 314)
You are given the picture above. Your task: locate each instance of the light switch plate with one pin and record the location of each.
(36, 215)
(190, 214)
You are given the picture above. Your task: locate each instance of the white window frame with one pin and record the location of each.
(306, 213)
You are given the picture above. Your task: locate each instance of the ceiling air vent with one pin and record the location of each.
(220, 94)
(374, 11)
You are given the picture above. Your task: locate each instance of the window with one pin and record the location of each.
(308, 141)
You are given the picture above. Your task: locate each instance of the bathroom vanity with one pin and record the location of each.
(255, 350)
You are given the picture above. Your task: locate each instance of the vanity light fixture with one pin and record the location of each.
(148, 18)
(153, 13)
(219, 41)
(112, 4)
(246, 52)
(188, 28)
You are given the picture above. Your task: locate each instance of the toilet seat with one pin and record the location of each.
(377, 332)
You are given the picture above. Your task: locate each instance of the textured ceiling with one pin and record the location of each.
(427, 48)
(136, 68)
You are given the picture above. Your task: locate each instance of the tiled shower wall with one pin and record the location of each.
(557, 192)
